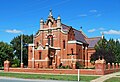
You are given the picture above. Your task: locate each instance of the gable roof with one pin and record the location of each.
(79, 36)
(92, 41)
(65, 28)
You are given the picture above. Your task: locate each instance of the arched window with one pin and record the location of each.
(37, 44)
(72, 51)
(63, 44)
(40, 55)
(50, 40)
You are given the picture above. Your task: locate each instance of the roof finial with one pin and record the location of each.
(58, 17)
(41, 20)
(81, 28)
(102, 35)
(50, 14)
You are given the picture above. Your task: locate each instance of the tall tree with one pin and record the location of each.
(103, 49)
(6, 52)
(16, 44)
(117, 52)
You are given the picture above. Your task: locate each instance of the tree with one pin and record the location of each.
(117, 51)
(16, 44)
(104, 49)
(114, 48)
(6, 53)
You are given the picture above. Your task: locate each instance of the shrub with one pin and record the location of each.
(78, 65)
(14, 65)
(92, 62)
(67, 67)
(64, 67)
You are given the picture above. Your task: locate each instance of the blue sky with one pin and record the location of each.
(95, 16)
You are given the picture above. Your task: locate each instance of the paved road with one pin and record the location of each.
(6, 79)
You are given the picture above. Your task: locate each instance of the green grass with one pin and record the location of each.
(48, 76)
(113, 79)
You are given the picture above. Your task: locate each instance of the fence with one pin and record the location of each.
(101, 68)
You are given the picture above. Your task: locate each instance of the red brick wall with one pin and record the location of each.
(56, 71)
(100, 69)
(62, 71)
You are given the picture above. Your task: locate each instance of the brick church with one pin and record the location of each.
(58, 44)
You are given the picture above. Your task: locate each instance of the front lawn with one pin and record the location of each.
(48, 76)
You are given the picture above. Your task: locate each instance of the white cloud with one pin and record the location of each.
(93, 11)
(101, 28)
(14, 31)
(98, 15)
(116, 32)
(83, 15)
(91, 30)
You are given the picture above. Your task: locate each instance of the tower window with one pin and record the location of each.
(72, 51)
(50, 40)
(63, 44)
(40, 56)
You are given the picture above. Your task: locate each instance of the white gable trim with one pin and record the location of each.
(73, 42)
(30, 44)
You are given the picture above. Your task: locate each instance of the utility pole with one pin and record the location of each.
(33, 52)
(21, 50)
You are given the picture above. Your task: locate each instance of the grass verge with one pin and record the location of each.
(113, 79)
(48, 76)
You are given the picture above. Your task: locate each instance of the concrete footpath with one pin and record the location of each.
(100, 79)
(9, 79)
(105, 77)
